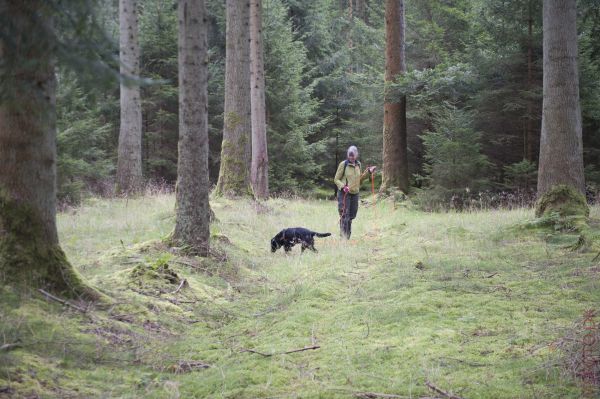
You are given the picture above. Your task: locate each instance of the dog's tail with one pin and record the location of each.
(322, 234)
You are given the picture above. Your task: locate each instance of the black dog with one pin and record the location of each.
(287, 238)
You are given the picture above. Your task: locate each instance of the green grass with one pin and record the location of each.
(479, 317)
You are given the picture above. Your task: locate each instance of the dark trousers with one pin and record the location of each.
(347, 208)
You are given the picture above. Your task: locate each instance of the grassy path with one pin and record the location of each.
(465, 301)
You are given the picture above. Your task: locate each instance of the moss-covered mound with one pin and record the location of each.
(154, 276)
(563, 200)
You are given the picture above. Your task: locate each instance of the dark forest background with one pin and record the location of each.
(473, 87)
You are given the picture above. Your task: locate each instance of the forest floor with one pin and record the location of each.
(473, 303)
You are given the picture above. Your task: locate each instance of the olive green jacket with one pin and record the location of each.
(352, 176)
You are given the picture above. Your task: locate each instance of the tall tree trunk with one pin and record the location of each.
(561, 148)
(361, 9)
(192, 207)
(236, 150)
(351, 23)
(529, 134)
(395, 154)
(260, 158)
(30, 254)
(129, 157)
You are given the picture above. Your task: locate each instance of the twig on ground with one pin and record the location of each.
(177, 302)
(264, 312)
(186, 366)
(441, 392)
(375, 395)
(492, 275)
(132, 262)
(306, 348)
(182, 262)
(124, 316)
(464, 362)
(181, 285)
(380, 395)
(64, 302)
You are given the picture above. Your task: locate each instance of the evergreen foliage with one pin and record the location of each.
(454, 163)
(324, 83)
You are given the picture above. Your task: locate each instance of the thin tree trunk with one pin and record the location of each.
(192, 207)
(129, 157)
(30, 254)
(529, 134)
(260, 159)
(236, 149)
(351, 21)
(561, 148)
(361, 9)
(395, 156)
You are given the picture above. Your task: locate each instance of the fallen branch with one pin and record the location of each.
(185, 366)
(306, 348)
(464, 362)
(181, 285)
(441, 392)
(375, 395)
(492, 275)
(64, 302)
(264, 312)
(177, 302)
(8, 347)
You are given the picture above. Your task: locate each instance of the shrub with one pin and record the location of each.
(454, 164)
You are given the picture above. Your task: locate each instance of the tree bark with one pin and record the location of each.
(395, 153)
(192, 207)
(361, 9)
(129, 157)
(260, 160)
(236, 149)
(30, 254)
(529, 134)
(351, 24)
(561, 148)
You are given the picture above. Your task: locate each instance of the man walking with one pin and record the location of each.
(348, 179)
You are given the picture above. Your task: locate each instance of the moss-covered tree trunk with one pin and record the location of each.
(192, 207)
(30, 254)
(561, 147)
(395, 153)
(129, 158)
(260, 160)
(236, 149)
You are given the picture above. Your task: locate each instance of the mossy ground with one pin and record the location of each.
(479, 316)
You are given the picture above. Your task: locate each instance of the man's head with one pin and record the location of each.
(352, 153)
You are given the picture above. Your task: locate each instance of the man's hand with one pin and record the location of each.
(345, 189)
(371, 169)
